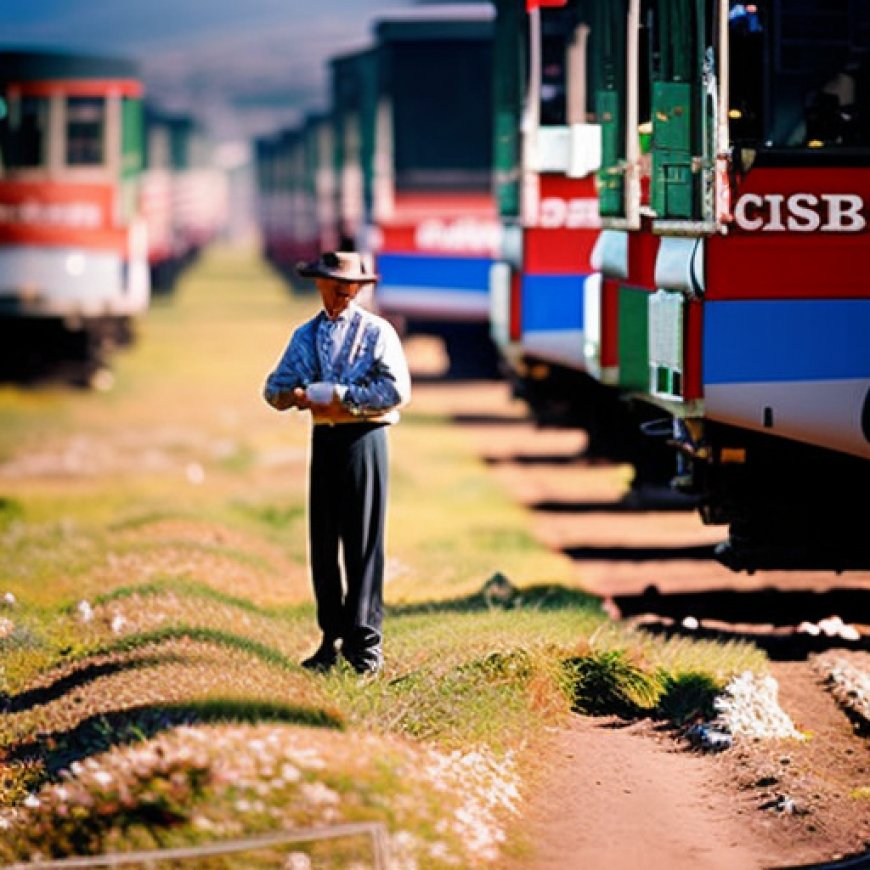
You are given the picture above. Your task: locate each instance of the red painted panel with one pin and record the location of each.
(796, 233)
(788, 266)
(59, 214)
(515, 324)
(411, 207)
(609, 323)
(692, 371)
(643, 248)
(79, 88)
(558, 251)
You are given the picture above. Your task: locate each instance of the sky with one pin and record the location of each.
(246, 67)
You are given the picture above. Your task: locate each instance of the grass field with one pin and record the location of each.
(153, 553)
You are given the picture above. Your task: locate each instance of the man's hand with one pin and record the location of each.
(295, 398)
(333, 411)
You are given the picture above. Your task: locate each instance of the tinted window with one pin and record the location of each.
(85, 123)
(801, 73)
(24, 132)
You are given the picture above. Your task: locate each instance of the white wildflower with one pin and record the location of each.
(297, 861)
(318, 793)
(32, 802)
(103, 778)
(9, 599)
(289, 773)
(118, 623)
(86, 612)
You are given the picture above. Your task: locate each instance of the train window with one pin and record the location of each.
(24, 133)
(746, 63)
(85, 125)
(553, 103)
(800, 74)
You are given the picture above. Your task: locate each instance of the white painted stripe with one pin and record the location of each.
(432, 303)
(562, 346)
(824, 413)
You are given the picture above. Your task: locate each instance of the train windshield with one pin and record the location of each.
(23, 132)
(442, 104)
(800, 74)
(85, 125)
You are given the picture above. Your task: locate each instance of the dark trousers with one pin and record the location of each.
(347, 509)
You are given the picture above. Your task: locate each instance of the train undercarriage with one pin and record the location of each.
(72, 350)
(788, 505)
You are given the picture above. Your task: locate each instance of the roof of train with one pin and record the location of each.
(22, 66)
(472, 21)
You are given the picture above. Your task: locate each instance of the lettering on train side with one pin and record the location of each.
(572, 214)
(468, 235)
(800, 213)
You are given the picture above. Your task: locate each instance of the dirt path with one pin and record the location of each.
(613, 797)
(610, 797)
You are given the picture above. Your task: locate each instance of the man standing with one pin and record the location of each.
(347, 367)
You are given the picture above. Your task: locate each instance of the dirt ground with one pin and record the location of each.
(617, 796)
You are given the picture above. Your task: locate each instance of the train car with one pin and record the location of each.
(183, 195)
(73, 247)
(200, 191)
(155, 202)
(545, 291)
(425, 149)
(734, 195)
(296, 198)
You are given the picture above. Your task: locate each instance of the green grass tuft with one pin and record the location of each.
(688, 697)
(609, 682)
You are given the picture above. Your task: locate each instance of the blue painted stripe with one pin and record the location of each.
(443, 273)
(788, 340)
(552, 302)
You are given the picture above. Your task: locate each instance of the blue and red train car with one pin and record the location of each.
(430, 214)
(73, 247)
(734, 201)
(546, 287)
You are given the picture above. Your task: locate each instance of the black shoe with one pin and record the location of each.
(367, 663)
(324, 659)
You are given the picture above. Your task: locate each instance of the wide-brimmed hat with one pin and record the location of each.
(340, 266)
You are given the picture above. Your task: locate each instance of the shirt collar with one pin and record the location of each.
(344, 317)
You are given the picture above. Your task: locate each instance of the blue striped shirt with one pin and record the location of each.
(367, 365)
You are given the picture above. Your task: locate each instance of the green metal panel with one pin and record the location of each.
(677, 108)
(673, 182)
(610, 99)
(132, 137)
(132, 154)
(368, 118)
(633, 339)
(672, 117)
(509, 72)
(611, 181)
